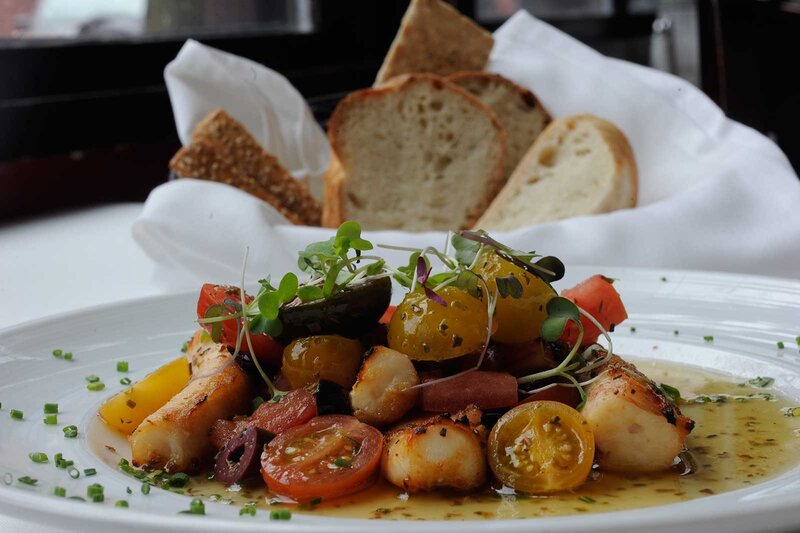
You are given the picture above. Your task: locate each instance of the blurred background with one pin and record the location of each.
(85, 117)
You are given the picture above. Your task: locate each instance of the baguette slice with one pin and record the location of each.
(517, 109)
(434, 37)
(579, 165)
(223, 150)
(415, 154)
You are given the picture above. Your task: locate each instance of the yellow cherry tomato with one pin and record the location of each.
(429, 331)
(518, 319)
(541, 447)
(329, 357)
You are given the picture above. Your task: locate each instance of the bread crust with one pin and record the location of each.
(336, 174)
(527, 96)
(234, 157)
(625, 169)
(434, 37)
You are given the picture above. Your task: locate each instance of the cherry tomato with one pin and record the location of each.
(329, 357)
(541, 447)
(296, 408)
(387, 315)
(267, 349)
(426, 330)
(328, 457)
(598, 297)
(518, 319)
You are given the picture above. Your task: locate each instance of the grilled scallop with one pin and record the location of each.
(175, 438)
(437, 452)
(636, 428)
(382, 393)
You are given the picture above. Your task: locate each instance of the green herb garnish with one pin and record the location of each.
(125, 381)
(70, 432)
(121, 503)
(89, 472)
(38, 457)
(60, 491)
(50, 408)
(26, 480)
(122, 366)
(672, 394)
(587, 499)
(196, 507)
(760, 382)
(708, 338)
(247, 510)
(780, 345)
(51, 420)
(280, 514)
(16, 414)
(96, 386)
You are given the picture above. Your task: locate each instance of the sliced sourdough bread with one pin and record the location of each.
(416, 154)
(579, 165)
(517, 109)
(434, 37)
(223, 150)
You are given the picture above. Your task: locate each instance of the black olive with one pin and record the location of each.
(239, 458)
(332, 399)
(349, 313)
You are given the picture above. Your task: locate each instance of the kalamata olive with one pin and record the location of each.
(239, 459)
(349, 313)
(519, 317)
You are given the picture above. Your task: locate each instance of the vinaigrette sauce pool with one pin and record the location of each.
(734, 445)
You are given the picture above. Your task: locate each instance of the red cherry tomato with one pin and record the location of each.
(296, 408)
(267, 349)
(388, 314)
(598, 297)
(328, 457)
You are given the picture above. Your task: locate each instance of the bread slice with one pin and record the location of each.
(416, 154)
(517, 109)
(223, 150)
(579, 165)
(434, 37)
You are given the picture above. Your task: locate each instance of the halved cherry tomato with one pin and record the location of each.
(296, 408)
(328, 457)
(598, 297)
(541, 447)
(268, 350)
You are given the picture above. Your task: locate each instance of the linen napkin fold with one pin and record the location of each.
(713, 194)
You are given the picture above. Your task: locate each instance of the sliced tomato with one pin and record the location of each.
(296, 408)
(541, 447)
(388, 314)
(598, 297)
(328, 457)
(487, 390)
(268, 350)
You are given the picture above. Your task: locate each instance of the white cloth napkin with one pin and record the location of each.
(714, 194)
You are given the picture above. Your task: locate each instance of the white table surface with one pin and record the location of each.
(68, 261)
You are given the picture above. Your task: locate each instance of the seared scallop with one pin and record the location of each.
(383, 392)
(636, 427)
(436, 453)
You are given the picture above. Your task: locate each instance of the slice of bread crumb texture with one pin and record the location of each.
(579, 165)
(416, 154)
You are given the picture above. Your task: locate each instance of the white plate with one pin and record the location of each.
(747, 315)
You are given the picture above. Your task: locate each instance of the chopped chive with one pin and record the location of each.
(196, 507)
(663, 278)
(92, 378)
(70, 432)
(89, 472)
(96, 386)
(145, 488)
(633, 330)
(121, 503)
(73, 472)
(25, 480)
(38, 457)
(16, 414)
(1, 405)
(178, 480)
(68, 356)
(587, 499)
(780, 345)
(98, 498)
(58, 353)
(128, 490)
(50, 408)
(675, 332)
(125, 381)
(60, 491)
(341, 462)
(708, 338)
(51, 420)
(280, 514)
(185, 347)
(122, 366)
(94, 488)
(248, 510)
(797, 340)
